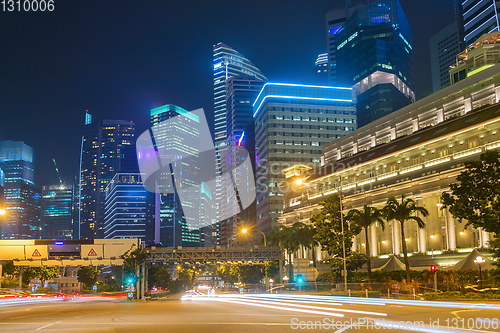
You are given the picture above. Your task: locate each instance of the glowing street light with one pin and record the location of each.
(480, 260)
(299, 182)
(3, 212)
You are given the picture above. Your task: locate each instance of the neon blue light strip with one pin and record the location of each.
(295, 85)
(406, 42)
(470, 33)
(478, 3)
(301, 98)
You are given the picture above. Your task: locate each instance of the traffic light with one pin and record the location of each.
(300, 279)
(433, 268)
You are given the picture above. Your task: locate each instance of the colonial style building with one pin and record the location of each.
(418, 150)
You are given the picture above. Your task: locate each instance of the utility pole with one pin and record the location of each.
(343, 236)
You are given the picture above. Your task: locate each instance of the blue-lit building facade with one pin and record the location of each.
(125, 207)
(292, 123)
(176, 133)
(321, 70)
(374, 56)
(242, 90)
(21, 198)
(57, 213)
(107, 148)
(478, 18)
(227, 63)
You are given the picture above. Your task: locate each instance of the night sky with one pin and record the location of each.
(121, 58)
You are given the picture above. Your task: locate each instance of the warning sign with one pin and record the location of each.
(92, 251)
(36, 252)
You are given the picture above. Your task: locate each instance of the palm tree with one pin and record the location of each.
(307, 239)
(403, 211)
(285, 237)
(365, 218)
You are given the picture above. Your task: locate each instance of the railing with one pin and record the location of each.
(467, 152)
(411, 168)
(437, 161)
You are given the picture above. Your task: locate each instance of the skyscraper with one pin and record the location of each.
(478, 17)
(242, 90)
(374, 56)
(176, 135)
(444, 46)
(22, 200)
(125, 207)
(321, 70)
(335, 19)
(57, 211)
(227, 63)
(104, 152)
(292, 122)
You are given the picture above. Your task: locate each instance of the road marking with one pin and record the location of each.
(47, 325)
(346, 328)
(456, 312)
(114, 323)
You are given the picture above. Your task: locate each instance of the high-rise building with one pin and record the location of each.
(292, 123)
(22, 200)
(444, 46)
(242, 90)
(374, 56)
(321, 70)
(335, 19)
(227, 63)
(104, 153)
(479, 17)
(176, 135)
(125, 207)
(57, 211)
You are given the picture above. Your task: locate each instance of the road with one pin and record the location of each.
(250, 313)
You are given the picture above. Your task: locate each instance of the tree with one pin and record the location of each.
(403, 211)
(251, 274)
(159, 277)
(42, 273)
(329, 230)
(88, 276)
(365, 218)
(287, 238)
(110, 283)
(476, 195)
(9, 269)
(132, 261)
(228, 273)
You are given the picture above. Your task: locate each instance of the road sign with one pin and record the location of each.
(36, 252)
(94, 287)
(92, 251)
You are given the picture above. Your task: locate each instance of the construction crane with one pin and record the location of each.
(57, 170)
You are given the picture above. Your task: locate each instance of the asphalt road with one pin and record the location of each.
(251, 313)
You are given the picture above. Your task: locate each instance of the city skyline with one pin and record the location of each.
(67, 92)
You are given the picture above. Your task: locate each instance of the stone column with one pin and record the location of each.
(452, 235)
(396, 238)
(486, 238)
(354, 244)
(373, 241)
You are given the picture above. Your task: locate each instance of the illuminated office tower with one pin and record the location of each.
(227, 63)
(321, 70)
(57, 211)
(242, 90)
(125, 207)
(479, 17)
(106, 150)
(292, 123)
(374, 56)
(21, 199)
(175, 132)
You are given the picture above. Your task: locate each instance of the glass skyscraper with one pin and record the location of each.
(292, 123)
(479, 17)
(374, 56)
(242, 90)
(176, 133)
(227, 63)
(125, 207)
(105, 151)
(21, 199)
(57, 211)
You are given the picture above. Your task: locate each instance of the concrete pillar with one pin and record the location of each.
(468, 102)
(373, 141)
(20, 277)
(486, 239)
(480, 235)
(422, 240)
(373, 241)
(354, 244)
(396, 238)
(440, 116)
(355, 148)
(415, 125)
(317, 252)
(452, 235)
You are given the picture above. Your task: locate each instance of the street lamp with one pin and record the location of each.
(3, 212)
(480, 260)
(245, 230)
(299, 181)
